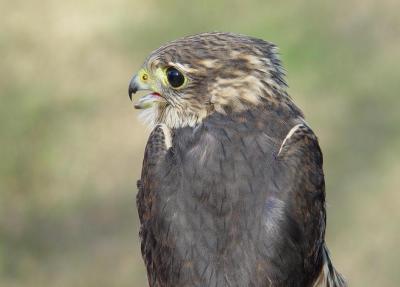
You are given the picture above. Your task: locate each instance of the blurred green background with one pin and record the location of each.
(72, 146)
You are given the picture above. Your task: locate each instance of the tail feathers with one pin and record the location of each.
(329, 276)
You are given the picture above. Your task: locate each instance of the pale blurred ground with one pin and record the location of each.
(72, 146)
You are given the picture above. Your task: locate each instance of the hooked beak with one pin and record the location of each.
(133, 87)
(146, 101)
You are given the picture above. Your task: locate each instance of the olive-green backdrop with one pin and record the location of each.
(71, 145)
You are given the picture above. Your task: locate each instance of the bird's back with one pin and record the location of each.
(223, 216)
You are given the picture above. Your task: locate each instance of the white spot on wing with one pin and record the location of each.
(167, 135)
(290, 133)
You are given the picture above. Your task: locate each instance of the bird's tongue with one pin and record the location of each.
(148, 101)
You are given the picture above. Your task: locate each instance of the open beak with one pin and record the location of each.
(146, 101)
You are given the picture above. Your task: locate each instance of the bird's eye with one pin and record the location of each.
(175, 78)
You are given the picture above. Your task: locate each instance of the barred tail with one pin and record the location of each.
(329, 276)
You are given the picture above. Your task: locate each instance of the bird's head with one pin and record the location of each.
(195, 76)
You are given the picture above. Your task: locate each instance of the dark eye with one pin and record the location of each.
(175, 78)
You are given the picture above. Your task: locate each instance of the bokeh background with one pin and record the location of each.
(71, 145)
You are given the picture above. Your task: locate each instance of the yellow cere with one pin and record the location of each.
(143, 75)
(159, 74)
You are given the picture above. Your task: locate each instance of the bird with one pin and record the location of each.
(232, 189)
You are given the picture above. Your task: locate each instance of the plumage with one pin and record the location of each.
(232, 188)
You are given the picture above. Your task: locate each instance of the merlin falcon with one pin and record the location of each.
(232, 188)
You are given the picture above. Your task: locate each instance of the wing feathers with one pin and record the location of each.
(290, 133)
(298, 138)
(329, 276)
(159, 142)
